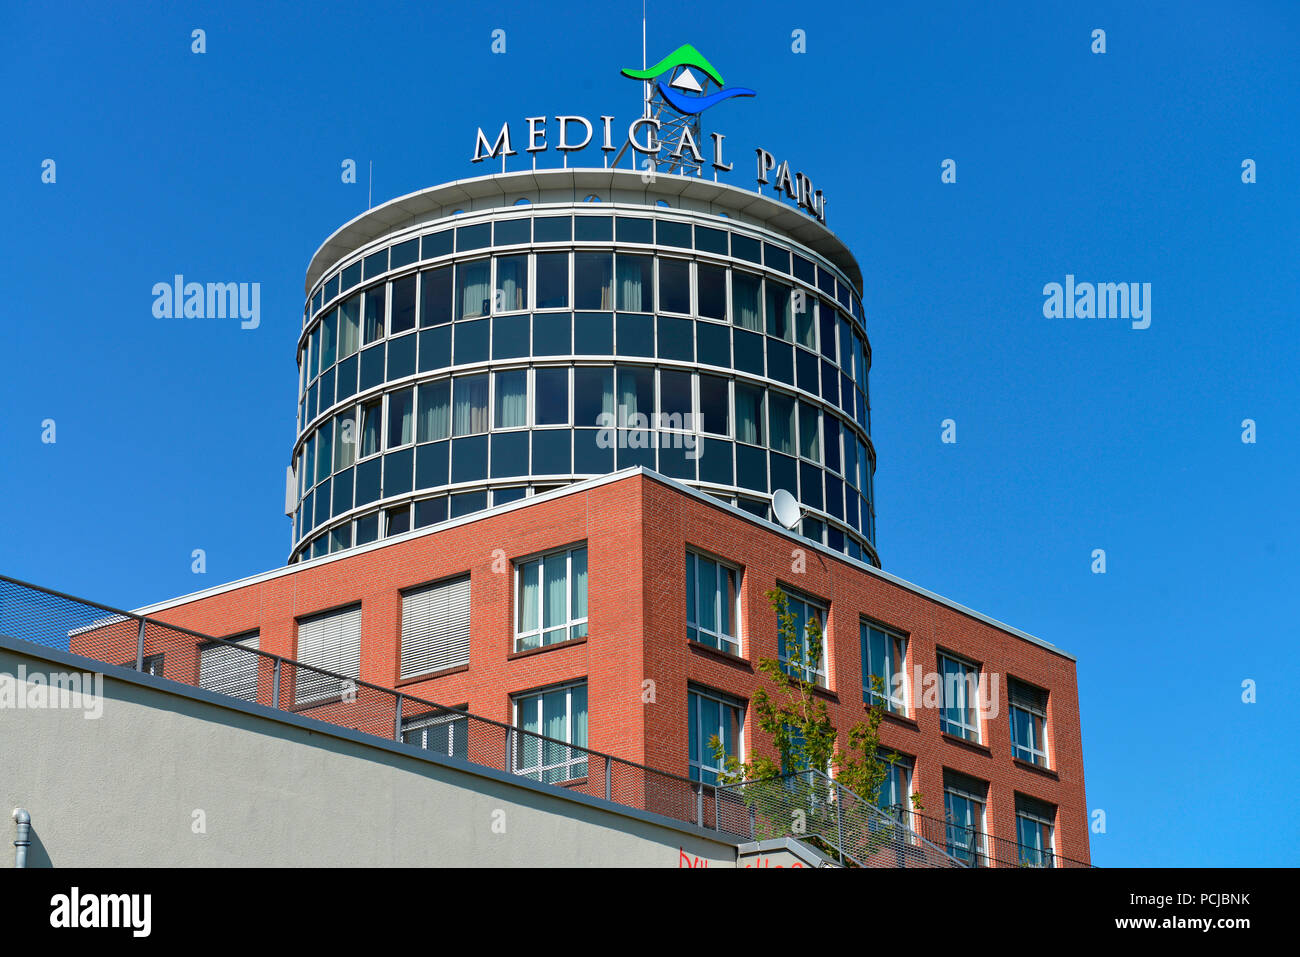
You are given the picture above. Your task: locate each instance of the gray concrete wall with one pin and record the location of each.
(133, 786)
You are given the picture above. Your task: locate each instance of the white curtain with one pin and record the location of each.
(434, 412)
(474, 285)
(469, 412)
(512, 282)
(512, 399)
(744, 301)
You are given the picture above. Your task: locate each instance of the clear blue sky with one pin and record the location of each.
(1073, 434)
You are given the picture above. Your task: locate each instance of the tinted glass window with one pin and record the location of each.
(674, 286)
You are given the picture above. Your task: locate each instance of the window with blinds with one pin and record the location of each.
(330, 642)
(435, 627)
(229, 669)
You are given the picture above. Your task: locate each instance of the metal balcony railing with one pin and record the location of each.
(121, 639)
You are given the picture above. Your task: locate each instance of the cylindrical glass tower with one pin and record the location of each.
(481, 341)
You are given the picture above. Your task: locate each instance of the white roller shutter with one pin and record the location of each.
(331, 642)
(435, 627)
(228, 670)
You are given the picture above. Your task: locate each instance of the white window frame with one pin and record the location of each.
(976, 848)
(1047, 853)
(963, 702)
(570, 623)
(422, 724)
(455, 641)
(894, 703)
(703, 764)
(577, 756)
(1038, 755)
(818, 677)
(728, 643)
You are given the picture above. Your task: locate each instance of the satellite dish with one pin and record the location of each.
(787, 510)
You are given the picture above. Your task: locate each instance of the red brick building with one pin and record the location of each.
(605, 620)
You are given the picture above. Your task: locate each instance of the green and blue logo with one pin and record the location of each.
(683, 90)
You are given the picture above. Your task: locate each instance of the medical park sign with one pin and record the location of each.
(667, 135)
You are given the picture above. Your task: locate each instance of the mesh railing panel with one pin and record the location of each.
(114, 637)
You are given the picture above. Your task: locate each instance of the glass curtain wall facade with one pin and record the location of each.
(482, 358)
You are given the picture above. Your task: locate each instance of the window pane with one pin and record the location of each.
(674, 286)
(809, 443)
(593, 395)
(778, 310)
(578, 589)
(636, 391)
(345, 441)
(473, 285)
(435, 296)
(745, 289)
(675, 403)
(512, 283)
(634, 283)
(374, 313)
(552, 400)
(403, 308)
(469, 412)
(372, 418)
(592, 280)
(512, 399)
(552, 280)
(328, 337)
(400, 422)
(529, 595)
(749, 414)
(805, 327)
(324, 448)
(712, 291)
(349, 327)
(435, 411)
(782, 409)
(715, 405)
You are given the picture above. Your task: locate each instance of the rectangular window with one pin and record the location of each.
(711, 296)
(593, 395)
(552, 280)
(332, 643)
(435, 627)
(746, 290)
(896, 791)
(634, 283)
(805, 323)
(551, 396)
(960, 693)
(473, 289)
(675, 286)
(715, 405)
(749, 414)
(713, 716)
(433, 421)
(512, 283)
(328, 340)
(345, 440)
(374, 311)
(593, 280)
(884, 656)
(403, 307)
(372, 418)
(712, 603)
(782, 418)
(809, 434)
(1028, 722)
(470, 405)
(809, 620)
(324, 452)
(551, 598)
(401, 418)
(1035, 832)
(511, 403)
(435, 297)
(445, 733)
(230, 670)
(778, 311)
(350, 327)
(963, 806)
(558, 713)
